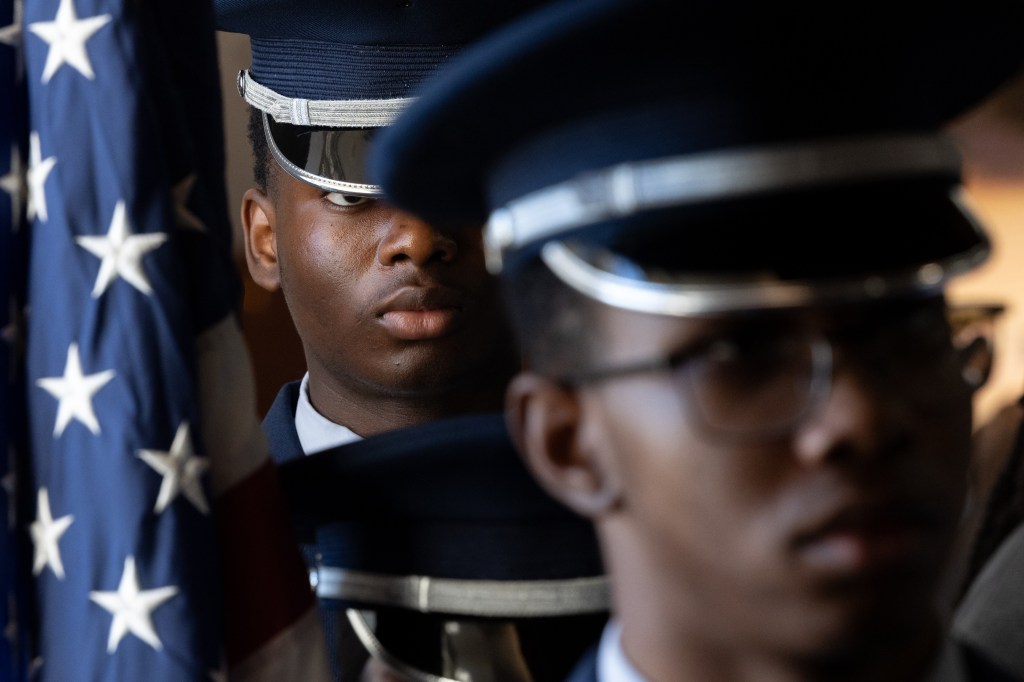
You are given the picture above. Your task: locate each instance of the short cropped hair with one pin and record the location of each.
(260, 150)
(556, 327)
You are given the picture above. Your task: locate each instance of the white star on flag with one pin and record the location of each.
(11, 35)
(46, 533)
(132, 608)
(181, 470)
(121, 253)
(74, 392)
(14, 184)
(66, 35)
(181, 192)
(38, 170)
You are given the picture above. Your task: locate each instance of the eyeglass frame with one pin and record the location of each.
(817, 391)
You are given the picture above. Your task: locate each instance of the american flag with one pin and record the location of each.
(159, 545)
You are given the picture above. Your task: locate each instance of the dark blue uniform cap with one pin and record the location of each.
(327, 74)
(579, 88)
(356, 49)
(447, 500)
(644, 78)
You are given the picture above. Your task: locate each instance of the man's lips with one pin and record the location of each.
(421, 313)
(865, 537)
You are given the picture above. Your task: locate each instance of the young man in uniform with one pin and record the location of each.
(433, 552)
(725, 232)
(400, 323)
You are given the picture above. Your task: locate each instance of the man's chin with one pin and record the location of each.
(440, 379)
(838, 633)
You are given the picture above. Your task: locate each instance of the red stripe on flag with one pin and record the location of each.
(259, 561)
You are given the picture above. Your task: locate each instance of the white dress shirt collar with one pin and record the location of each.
(316, 432)
(612, 664)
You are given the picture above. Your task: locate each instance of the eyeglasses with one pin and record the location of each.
(766, 377)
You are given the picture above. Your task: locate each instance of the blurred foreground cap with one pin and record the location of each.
(443, 518)
(717, 156)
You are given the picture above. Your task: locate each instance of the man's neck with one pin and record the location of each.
(368, 410)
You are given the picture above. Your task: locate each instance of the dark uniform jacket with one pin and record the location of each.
(279, 425)
(346, 654)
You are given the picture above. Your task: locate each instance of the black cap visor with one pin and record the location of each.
(333, 159)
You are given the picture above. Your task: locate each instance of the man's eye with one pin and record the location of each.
(340, 199)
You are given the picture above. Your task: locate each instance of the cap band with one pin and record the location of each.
(706, 296)
(341, 113)
(634, 187)
(483, 598)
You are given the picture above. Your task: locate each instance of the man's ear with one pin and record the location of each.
(260, 243)
(546, 421)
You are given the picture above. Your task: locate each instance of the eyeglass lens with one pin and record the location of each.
(767, 378)
(757, 384)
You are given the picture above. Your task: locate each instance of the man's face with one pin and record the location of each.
(812, 542)
(384, 303)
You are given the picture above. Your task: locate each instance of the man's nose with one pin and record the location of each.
(408, 238)
(860, 418)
